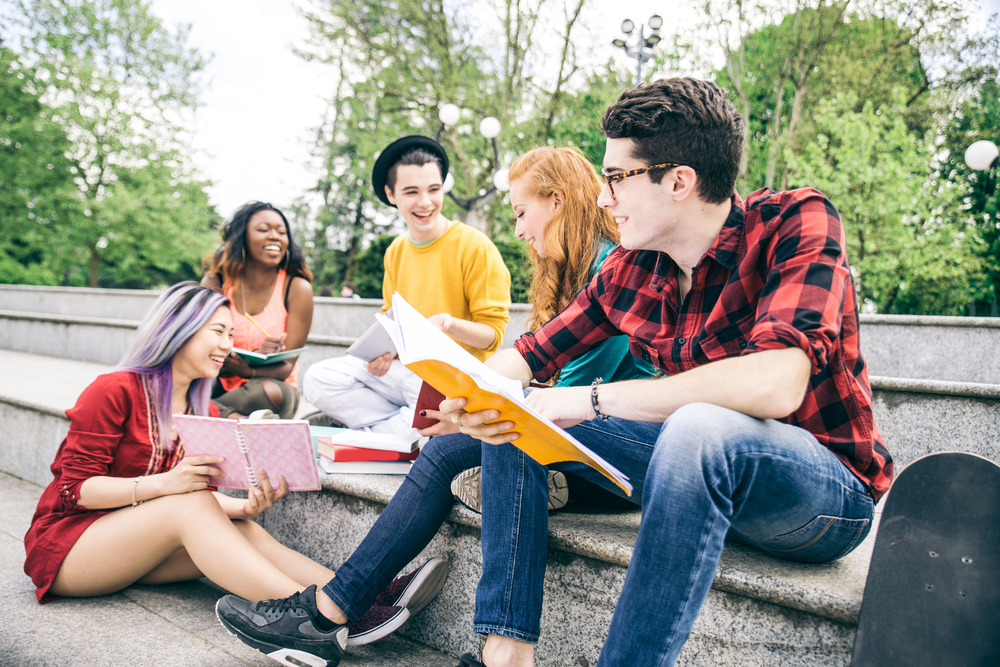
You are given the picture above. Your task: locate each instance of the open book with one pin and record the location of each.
(278, 446)
(256, 359)
(374, 342)
(445, 365)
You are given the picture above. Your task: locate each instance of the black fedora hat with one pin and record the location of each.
(391, 154)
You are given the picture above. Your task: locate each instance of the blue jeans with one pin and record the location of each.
(407, 524)
(706, 474)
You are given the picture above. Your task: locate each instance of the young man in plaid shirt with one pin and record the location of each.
(761, 432)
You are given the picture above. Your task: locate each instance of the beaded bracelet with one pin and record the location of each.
(593, 399)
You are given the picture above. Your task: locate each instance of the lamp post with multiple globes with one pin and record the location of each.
(489, 127)
(643, 48)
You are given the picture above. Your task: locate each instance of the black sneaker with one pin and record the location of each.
(284, 630)
(467, 488)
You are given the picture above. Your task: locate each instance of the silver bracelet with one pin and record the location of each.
(593, 400)
(135, 483)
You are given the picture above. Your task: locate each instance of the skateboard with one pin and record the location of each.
(933, 591)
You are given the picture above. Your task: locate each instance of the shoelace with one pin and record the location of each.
(280, 604)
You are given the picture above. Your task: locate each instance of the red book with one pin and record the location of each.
(335, 452)
(428, 399)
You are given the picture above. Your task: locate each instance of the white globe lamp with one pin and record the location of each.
(449, 114)
(490, 127)
(981, 155)
(501, 180)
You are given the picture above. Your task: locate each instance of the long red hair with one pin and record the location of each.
(572, 235)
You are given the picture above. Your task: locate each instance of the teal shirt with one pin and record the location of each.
(611, 360)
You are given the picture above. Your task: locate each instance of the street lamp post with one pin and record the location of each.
(643, 49)
(489, 127)
(983, 155)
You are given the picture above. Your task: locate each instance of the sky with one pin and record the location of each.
(263, 103)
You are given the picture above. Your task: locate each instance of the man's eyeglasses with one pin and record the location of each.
(611, 179)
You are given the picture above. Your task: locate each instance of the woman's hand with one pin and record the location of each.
(260, 500)
(235, 366)
(444, 426)
(191, 474)
(485, 425)
(379, 366)
(272, 345)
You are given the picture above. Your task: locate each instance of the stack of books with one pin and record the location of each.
(341, 450)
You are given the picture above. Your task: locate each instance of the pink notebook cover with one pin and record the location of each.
(278, 447)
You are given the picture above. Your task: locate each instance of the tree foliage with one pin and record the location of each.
(123, 87)
(398, 63)
(37, 194)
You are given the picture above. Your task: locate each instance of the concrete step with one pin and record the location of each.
(143, 626)
(761, 610)
(332, 316)
(959, 349)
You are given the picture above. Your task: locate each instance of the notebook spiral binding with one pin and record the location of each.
(241, 442)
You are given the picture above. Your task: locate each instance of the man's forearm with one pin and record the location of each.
(769, 385)
(478, 335)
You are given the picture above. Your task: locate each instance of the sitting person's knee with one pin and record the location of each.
(273, 393)
(251, 530)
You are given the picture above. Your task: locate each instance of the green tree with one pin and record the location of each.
(37, 194)
(974, 199)
(778, 73)
(907, 255)
(397, 66)
(124, 87)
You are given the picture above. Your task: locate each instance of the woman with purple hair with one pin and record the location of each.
(126, 505)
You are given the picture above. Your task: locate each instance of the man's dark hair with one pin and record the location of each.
(684, 121)
(417, 157)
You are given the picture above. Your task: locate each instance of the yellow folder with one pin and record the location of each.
(423, 348)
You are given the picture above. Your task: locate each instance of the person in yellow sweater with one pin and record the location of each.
(451, 273)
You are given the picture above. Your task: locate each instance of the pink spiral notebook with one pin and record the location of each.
(279, 447)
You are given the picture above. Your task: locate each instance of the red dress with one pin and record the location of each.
(112, 430)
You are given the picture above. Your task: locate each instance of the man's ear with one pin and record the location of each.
(558, 200)
(388, 195)
(685, 183)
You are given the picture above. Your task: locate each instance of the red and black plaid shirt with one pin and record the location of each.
(777, 276)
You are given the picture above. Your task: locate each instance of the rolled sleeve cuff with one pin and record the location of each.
(777, 335)
(542, 368)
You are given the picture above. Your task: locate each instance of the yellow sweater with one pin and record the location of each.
(460, 273)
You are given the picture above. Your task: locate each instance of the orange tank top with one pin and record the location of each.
(248, 337)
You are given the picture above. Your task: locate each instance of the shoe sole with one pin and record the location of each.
(424, 586)
(558, 490)
(467, 489)
(286, 656)
(380, 632)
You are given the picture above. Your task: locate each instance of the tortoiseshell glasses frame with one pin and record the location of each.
(610, 179)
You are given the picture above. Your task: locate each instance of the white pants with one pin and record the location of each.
(343, 389)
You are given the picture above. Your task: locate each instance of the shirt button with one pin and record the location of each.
(681, 341)
(743, 342)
